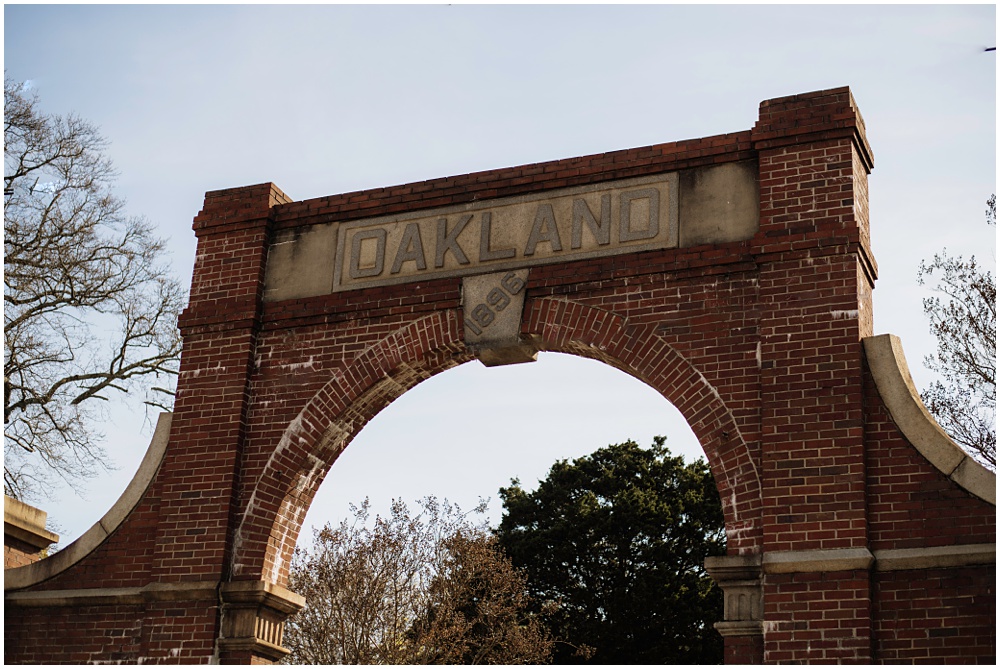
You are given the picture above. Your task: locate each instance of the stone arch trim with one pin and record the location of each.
(266, 535)
(901, 397)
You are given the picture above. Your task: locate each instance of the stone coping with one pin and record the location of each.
(27, 523)
(895, 385)
(260, 593)
(32, 574)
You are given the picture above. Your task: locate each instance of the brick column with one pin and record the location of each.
(816, 276)
(201, 467)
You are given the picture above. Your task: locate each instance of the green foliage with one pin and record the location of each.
(613, 546)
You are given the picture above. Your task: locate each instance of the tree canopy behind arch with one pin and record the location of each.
(613, 547)
(424, 588)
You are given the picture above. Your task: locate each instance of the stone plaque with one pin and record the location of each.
(509, 233)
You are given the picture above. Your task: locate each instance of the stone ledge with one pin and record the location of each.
(28, 575)
(895, 385)
(191, 591)
(966, 555)
(740, 628)
(795, 562)
(269, 595)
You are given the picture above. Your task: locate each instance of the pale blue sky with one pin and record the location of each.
(323, 100)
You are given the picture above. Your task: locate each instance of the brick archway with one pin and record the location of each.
(733, 274)
(429, 345)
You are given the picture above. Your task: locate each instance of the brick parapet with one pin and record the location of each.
(826, 115)
(520, 180)
(234, 231)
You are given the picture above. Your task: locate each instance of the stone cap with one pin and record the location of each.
(26, 523)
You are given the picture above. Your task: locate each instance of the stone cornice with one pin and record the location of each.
(266, 594)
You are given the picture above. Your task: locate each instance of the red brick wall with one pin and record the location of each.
(936, 616)
(17, 553)
(756, 342)
(925, 615)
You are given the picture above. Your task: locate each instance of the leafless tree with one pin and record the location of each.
(427, 589)
(90, 311)
(477, 613)
(964, 320)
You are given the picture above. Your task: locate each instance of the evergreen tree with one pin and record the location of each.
(613, 546)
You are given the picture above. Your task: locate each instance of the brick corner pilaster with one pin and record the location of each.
(234, 230)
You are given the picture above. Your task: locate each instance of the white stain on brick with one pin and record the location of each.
(298, 366)
(293, 431)
(202, 370)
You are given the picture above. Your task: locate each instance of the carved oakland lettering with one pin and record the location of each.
(604, 219)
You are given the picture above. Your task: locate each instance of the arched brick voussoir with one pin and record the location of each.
(266, 534)
(565, 326)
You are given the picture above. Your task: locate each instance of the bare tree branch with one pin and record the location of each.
(90, 310)
(427, 589)
(963, 319)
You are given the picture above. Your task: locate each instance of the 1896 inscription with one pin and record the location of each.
(483, 314)
(616, 217)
